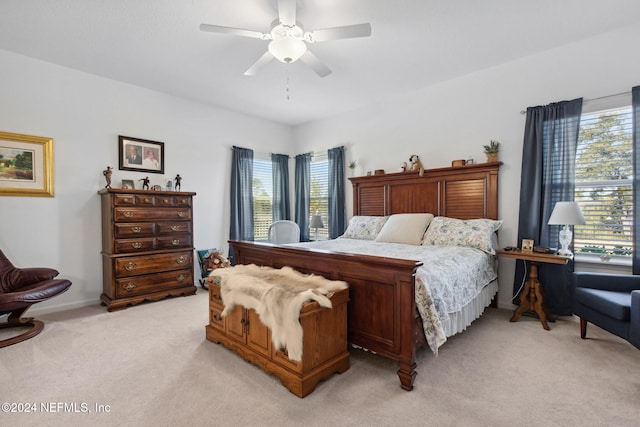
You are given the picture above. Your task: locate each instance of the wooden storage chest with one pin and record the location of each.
(324, 340)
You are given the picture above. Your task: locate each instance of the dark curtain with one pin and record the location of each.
(337, 211)
(303, 194)
(241, 227)
(281, 207)
(635, 96)
(548, 176)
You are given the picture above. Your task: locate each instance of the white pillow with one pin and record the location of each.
(405, 228)
(474, 233)
(364, 227)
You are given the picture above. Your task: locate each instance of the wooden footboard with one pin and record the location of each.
(382, 307)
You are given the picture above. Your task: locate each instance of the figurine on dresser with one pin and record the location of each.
(178, 180)
(145, 183)
(107, 175)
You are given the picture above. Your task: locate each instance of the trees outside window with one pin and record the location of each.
(604, 173)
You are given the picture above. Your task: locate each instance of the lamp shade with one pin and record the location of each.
(566, 213)
(316, 222)
(287, 49)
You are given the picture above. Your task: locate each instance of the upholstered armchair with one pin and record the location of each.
(610, 301)
(20, 288)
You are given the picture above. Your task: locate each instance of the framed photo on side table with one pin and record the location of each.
(140, 155)
(527, 245)
(26, 165)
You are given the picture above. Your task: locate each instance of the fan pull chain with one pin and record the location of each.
(287, 86)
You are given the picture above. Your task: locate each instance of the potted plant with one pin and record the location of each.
(491, 151)
(352, 166)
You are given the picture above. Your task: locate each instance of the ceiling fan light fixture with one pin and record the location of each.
(287, 49)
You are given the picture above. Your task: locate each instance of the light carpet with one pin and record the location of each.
(150, 365)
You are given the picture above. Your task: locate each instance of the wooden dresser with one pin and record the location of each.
(147, 246)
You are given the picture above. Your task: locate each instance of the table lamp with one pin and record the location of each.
(566, 213)
(316, 222)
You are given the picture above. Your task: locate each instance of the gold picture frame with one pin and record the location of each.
(26, 165)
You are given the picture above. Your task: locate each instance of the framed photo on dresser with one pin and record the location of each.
(140, 155)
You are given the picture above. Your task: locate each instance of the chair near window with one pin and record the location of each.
(284, 231)
(610, 301)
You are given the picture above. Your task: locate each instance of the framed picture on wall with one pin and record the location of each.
(140, 155)
(26, 165)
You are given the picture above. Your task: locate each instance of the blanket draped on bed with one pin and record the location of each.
(277, 296)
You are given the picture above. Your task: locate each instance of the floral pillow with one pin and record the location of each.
(364, 227)
(475, 233)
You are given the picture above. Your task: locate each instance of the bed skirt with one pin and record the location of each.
(460, 320)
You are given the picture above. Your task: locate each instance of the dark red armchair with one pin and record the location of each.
(19, 289)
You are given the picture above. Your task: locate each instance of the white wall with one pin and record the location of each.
(452, 120)
(84, 114)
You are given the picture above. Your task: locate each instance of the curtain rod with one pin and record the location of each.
(594, 99)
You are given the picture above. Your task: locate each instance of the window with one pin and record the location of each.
(262, 198)
(604, 172)
(319, 197)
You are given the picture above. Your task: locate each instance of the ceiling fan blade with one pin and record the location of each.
(316, 65)
(261, 62)
(287, 12)
(337, 33)
(234, 31)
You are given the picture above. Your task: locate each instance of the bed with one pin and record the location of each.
(383, 315)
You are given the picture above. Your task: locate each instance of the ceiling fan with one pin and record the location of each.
(288, 40)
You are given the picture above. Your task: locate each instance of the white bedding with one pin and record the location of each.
(451, 286)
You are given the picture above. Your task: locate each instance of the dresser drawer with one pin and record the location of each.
(124, 199)
(178, 201)
(123, 246)
(143, 214)
(146, 264)
(134, 229)
(145, 200)
(173, 227)
(174, 241)
(140, 285)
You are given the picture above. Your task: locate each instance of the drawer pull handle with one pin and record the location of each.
(130, 266)
(136, 245)
(182, 214)
(128, 214)
(217, 318)
(181, 278)
(175, 242)
(181, 260)
(216, 296)
(128, 200)
(146, 200)
(175, 228)
(130, 286)
(166, 201)
(136, 229)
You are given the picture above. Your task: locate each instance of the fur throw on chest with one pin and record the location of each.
(277, 296)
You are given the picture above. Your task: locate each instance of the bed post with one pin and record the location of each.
(407, 357)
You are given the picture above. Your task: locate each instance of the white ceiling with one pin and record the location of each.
(157, 44)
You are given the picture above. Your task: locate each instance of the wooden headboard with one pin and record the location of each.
(464, 192)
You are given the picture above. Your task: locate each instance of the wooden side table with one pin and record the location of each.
(531, 298)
